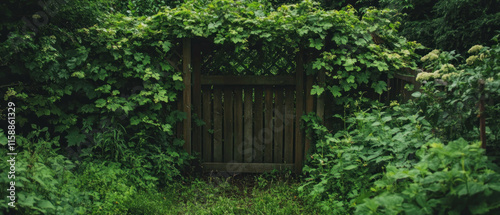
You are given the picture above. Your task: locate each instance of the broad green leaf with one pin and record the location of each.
(335, 90)
(350, 167)
(317, 90)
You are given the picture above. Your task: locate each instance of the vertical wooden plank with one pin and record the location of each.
(217, 125)
(320, 104)
(228, 124)
(186, 69)
(299, 108)
(258, 126)
(238, 125)
(278, 127)
(268, 125)
(207, 118)
(289, 118)
(482, 118)
(180, 126)
(197, 108)
(309, 107)
(248, 135)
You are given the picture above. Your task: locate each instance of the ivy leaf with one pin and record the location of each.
(100, 103)
(316, 43)
(177, 77)
(363, 77)
(379, 87)
(74, 137)
(340, 40)
(317, 90)
(350, 79)
(335, 90)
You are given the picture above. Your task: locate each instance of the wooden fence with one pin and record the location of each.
(251, 123)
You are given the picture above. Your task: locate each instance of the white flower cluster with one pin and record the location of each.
(471, 59)
(433, 55)
(425, 76)
(475, 49)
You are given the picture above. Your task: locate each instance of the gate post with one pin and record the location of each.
(186, 95)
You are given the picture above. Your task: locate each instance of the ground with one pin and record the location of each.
(217, 193)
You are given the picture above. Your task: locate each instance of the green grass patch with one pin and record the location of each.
(239, 194)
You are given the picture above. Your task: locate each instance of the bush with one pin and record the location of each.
(451, 94)
(345, 164)
(449, 179)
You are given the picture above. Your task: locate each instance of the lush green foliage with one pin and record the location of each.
(451, 93)
(344, 165)
(108, 95)
(49, 183)
(342, 42)
(100, 78)
(449, 24)
(456, 178)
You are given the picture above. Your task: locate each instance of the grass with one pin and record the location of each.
(236, 194)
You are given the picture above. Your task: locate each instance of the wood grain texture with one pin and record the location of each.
(238, 125)
(299, 108)
(258, 126)
(217, 125)
(278, 126)
(268, 125)
(248, 127)
(228, 124)
(186, 69)
(207, 118)
(289, 119)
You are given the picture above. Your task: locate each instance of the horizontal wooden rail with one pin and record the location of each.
(247, 80)
(246, 167)
(408, 78)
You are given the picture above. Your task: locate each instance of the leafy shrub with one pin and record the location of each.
(49, 183)
(449, 179)
(345, 164)
(45, 183)
(451, 94)
(108, 187)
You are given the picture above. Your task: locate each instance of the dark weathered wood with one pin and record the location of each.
(289, 118)
(217, 125)
(320, 103)
(180, 126)
(196, 137)
(228, 124)
(207, 118)
(268, 125)
(248, 134)
(299, 108)
(410, 79)
(309, 107)
(245, 167)
(238, 125)
(482, 118)
(278, 127)
(247, 80)
(186, 69)
(258, 126)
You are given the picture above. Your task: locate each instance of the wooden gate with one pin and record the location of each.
(251, 123)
